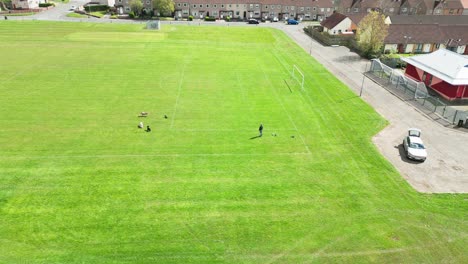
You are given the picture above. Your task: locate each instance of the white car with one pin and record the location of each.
(414, 146)
(72, 8)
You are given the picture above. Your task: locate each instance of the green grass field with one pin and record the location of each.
(80, 183)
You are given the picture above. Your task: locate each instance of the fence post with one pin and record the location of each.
(455, 116)
(435, 105)
(424, 101)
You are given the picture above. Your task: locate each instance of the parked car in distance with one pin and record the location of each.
(72, 8)
(253, 21)
(275, 19)
(293, 22)
(414, 146)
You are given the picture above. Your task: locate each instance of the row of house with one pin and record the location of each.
(411, 34)
(316, 10)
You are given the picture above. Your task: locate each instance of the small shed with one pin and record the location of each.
(443, 71)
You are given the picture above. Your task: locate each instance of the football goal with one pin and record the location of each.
(298, 76)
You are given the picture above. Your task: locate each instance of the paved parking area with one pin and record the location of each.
(445, 170)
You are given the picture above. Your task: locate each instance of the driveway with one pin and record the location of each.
(445, 170)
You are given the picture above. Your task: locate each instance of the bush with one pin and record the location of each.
(46, 4)
(95, 8)
(190, 18)
(114, 17)
(131, 14)
(228, 18)
(210, 19)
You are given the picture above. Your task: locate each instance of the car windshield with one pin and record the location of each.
(417, 146)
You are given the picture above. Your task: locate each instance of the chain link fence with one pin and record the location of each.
(415, 92)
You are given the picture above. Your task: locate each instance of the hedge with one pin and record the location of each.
(46, 4)
(95, 8)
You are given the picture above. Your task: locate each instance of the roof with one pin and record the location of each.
(356, 18)
(458, 33)
(428, 19)
(464, 4)
(333, 20)
(443, 64)
(417, 33)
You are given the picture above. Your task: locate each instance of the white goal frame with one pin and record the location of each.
(295, 77)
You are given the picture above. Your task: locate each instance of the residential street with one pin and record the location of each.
(445, 170)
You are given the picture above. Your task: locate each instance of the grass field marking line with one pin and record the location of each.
(181, 81)
(155, 155)
(284, 108)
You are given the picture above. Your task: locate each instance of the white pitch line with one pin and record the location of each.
(156, 155)
(178, 94)
(285, 110)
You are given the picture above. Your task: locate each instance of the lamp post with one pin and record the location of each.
(406, 42)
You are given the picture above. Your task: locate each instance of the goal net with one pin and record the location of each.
(298, 76)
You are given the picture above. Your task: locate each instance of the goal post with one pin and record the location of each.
(298, 75)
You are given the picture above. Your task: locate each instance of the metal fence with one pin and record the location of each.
(414, 91)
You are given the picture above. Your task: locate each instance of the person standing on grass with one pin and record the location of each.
(140, 125)
(148, 129)
(260, 129)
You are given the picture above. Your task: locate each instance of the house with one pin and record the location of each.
(443, 71)
(338, 24)
(448, 7)
(415, 7)
(425, 38)
(26, 4)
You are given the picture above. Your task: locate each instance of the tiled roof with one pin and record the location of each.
(356, 18)
(427, 33)
(429, 19)
(333, 20)
(419, 33)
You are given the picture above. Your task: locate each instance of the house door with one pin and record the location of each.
(460, 92)
(401, 48)
(245, 14)
(207, 13)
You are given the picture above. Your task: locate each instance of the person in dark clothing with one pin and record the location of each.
(260, 129)
(6, 18)
(148, 129)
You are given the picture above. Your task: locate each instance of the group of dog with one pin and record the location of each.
(141, 125)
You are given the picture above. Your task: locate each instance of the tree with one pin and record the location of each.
(163, 7)
(371, 33)
(136, 6)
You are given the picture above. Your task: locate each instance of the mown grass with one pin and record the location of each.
(73, 14)
(80, 183)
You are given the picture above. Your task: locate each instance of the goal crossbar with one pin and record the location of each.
(296, 72)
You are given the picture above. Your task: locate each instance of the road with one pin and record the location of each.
(445, 170)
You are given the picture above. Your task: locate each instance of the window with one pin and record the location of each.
(185, 4)
(215, 5)
(287, 8)
(278, 7)
(237, 5)
(194, 6)
(308, 8)
(404, 9)
(314, 8)
(237, 13)
(368, 10)
(356, 10)
(392, 9)
(348, 10)
(207, 6)
(256, 13)
(201, 5)
(266, 7)
(256, 6)
(322, 9)
(194, 13)
(292, 7)
(178, 4)
(185, 12)
(251, 5)
(328, 9)
(302, 8)
(215, 13)
(451, 11)
(222, 6)
(127, 8)
(120, 1)
(438, 11)
(229, 5)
